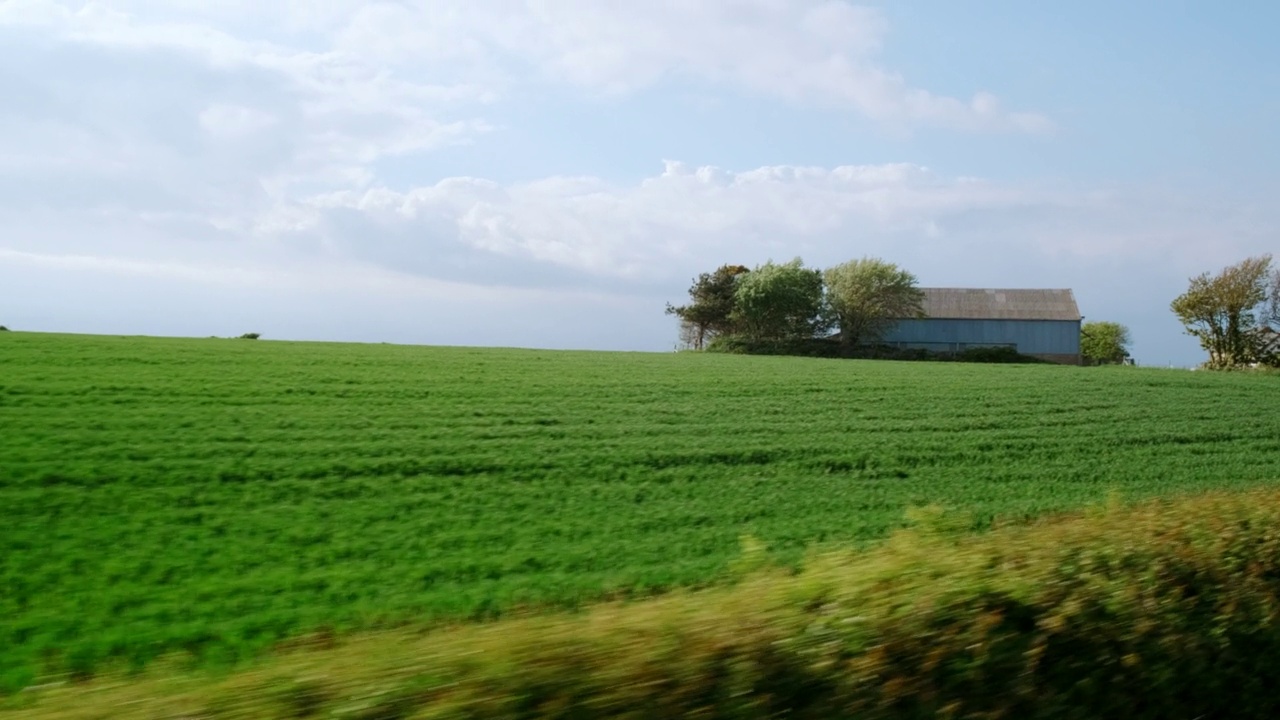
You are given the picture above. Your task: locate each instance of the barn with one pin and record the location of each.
(1041, 323)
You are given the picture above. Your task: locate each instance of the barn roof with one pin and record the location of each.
(999, 304)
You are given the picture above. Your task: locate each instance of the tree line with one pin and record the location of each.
(787, 302)
(860, 300)
(1235, 313)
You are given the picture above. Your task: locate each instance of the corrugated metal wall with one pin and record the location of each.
(1031, 337)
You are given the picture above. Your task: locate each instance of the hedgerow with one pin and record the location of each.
(1165, 610)
(833, 348)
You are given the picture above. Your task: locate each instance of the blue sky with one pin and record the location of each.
(551, 173)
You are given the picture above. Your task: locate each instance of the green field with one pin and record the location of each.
(216, 496)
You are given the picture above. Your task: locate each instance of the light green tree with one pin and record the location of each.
(1228, 312)
(779, 302)
(867, 297)
(1104, 342)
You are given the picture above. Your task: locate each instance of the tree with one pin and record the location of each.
(1227, 312)
(1267, 335)
(779, 302)
(1273, 300)
(1104, 342)
(709, 311)
(868, 297)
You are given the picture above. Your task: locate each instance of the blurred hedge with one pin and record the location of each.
(1159, 611)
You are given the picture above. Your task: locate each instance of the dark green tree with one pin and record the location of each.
(1103, 343)
(709, 313)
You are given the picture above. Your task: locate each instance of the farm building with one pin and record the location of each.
(1041, 323)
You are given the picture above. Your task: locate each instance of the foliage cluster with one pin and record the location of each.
(219, 497)
(868, 297)
(1163, 610)
(781, 304)
(1235, 314)
(1104, 342)
(711, 303)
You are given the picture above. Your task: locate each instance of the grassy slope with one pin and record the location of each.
(216, 495)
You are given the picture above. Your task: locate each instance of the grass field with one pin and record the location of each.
(216, 496)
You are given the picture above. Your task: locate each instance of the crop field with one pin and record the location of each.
(218, 496)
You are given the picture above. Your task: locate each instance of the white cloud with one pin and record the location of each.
(234, 121)
(137, 84)
(247, 115)
(812, 52)
(681, 218)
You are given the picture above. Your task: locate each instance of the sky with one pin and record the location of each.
(551, 173)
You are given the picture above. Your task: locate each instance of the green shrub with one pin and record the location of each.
(1163, 611)
(3, 329)
(803, 347)
(250, 336)
(994, 355)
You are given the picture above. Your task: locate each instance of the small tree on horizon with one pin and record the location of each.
(1228, 312)
(867, 297)
(710, 309)
(1103, 342)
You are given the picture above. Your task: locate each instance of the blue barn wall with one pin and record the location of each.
(1031, 337)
